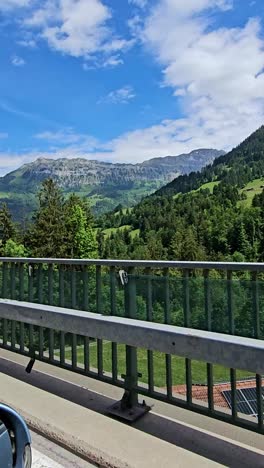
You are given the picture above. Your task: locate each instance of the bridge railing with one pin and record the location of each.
(220, 297)
(214, 349)
(211, 297)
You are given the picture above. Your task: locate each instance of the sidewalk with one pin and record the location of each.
(99, 438)
(76, 417)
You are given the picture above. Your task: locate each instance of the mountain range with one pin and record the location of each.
(106, 184)
(213, 214)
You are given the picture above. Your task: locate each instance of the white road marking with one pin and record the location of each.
(41, 461)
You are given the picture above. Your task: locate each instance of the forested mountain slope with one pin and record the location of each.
(241, 165)
(215, 214)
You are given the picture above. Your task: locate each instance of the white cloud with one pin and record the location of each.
(30, 43)
(112, 61)
(78, 28)
(5, 106)
(139, 3)
(217, 73)
(17, 61)
(119, 96)
(67, 136)
(173, 137)
(63, 136)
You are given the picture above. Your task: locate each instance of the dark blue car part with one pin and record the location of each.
(18, 433)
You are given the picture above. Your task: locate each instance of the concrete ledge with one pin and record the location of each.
(99, 439)
(211, 439)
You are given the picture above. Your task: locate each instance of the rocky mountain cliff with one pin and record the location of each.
(106, 184)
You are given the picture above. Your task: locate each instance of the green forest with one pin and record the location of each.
(216, 214)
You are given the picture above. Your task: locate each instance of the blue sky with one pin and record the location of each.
(127, 80)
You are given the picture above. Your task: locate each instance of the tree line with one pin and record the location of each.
(61, 228)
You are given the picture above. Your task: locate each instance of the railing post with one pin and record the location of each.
(129, 408)
(131, 377)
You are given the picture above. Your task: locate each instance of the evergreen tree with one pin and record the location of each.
(7, 227)
(46, 236)
(80, 238)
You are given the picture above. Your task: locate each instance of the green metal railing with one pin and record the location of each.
(216, 297)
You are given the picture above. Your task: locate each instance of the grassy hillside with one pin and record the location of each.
(242, 165)
(215, 214)
(255, 187)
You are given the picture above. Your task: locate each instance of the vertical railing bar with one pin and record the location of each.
(62, 304)
(40, 301)
(167, 318)
(30, 299)
(255, 293)
(40, 283)
(86, 349)
(30, 283)
(232, 332)
(13, 279)
(22, 337)
(13, 323)
(62, 348)
(21, 281)
(99, 311)
(5, 331)
(131, 379)
(13, 334)
(4, 295)
(187, 320)
(208, 313)
(150, 319)
(31, 339)
(74, 351)
(21, 298)
(85, 288)
(50, 284)
(73, 306)
(61, 286)
(260, 404)
(233, 382)
(73, 287)
(113, 312)
(50, 301)
(51, 344)
(41, 342)
(230, 305)
(4, 280)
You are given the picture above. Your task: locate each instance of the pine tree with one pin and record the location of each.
(7, 227)
(80, 239)
(46, 237)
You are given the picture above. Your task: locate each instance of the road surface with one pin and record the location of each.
(46, 454)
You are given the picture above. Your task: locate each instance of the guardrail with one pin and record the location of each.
(220, 297)
(210, 297)
(213, 348)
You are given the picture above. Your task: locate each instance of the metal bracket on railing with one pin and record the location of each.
(30, 365)
(30, 270)
(123, 277)
(128, 408)
(32, 361)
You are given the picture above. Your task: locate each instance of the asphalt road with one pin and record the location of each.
(46, 454)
